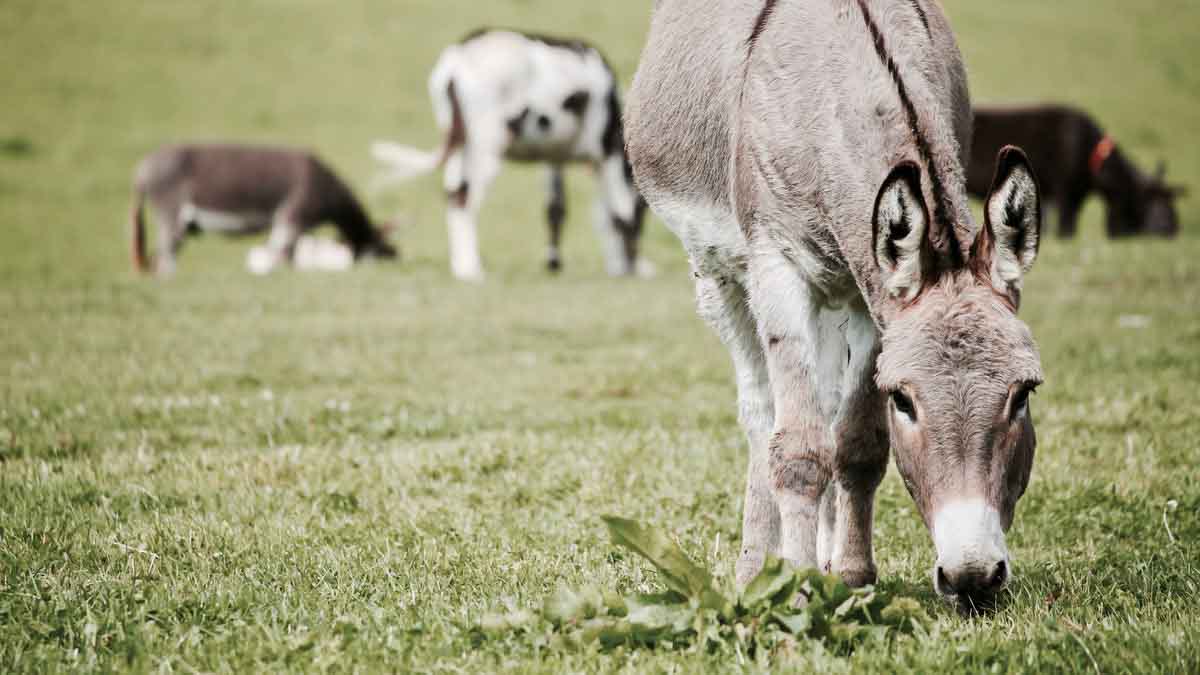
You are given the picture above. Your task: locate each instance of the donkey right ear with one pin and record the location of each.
(1013, 218)
(898, 226)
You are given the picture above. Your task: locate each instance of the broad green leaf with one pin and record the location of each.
(679, 573)
(493, 624)
(656, 621)
(796, 624)
(843, 610)
(614, 604)
(608, 631)
(567, 606)
(776, 579)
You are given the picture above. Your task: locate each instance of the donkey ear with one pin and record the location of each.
(1013, 218)
(898, 228)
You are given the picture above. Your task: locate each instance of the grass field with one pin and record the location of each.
(338, 472)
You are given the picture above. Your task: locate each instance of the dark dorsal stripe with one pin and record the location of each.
(924, 17)
(936, 187)
(760, 23)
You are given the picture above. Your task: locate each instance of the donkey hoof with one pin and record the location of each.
(749, 564)
(858, 577)
(554, 265)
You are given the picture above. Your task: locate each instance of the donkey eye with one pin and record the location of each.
(904, 405)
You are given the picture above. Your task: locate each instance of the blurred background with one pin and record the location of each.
(90, 87)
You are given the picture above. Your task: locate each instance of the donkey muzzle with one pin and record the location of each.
(973, 563)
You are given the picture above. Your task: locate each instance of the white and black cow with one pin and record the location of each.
(500, 94)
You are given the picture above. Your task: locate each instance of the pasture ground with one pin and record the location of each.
(337, 471)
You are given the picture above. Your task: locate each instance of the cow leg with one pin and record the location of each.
(618, 218)
(467, 177)
(556, 213)
(800, 453)
(723, 305)
(1069, 206)
(861, 456)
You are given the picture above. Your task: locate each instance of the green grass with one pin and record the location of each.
(338, 472)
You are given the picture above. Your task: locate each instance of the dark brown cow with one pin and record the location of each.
(1074, 157)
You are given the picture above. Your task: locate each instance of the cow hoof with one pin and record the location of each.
(554, 265)
(644, 269)
(470, 276)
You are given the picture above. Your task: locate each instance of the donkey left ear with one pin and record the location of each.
(1012, 220)
(898, 228)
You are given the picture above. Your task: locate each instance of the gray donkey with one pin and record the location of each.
(809, 154)
(243, 189)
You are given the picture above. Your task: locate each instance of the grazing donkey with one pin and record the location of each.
(810, 155)
(500, 94)
(238, 189)
(1073, 158)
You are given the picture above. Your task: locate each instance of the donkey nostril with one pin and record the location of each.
(972, 582)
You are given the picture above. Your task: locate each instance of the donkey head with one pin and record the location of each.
(377, 245)
(957, 368)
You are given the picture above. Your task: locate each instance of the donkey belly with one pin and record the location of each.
(709, 233)
(223, 221)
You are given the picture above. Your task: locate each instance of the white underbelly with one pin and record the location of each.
(226, 222)
(709, 233)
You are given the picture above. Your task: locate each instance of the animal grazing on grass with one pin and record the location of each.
(810, 158)
(499, 95)
(244, 189)
(1074, 157)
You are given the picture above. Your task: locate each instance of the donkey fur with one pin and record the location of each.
(809, 156)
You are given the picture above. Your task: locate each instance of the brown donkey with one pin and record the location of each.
(240, 189)
(810, 157)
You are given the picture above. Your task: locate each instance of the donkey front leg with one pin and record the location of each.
(281, 243)
(800, 453)
(861, 456)
(722, 303)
